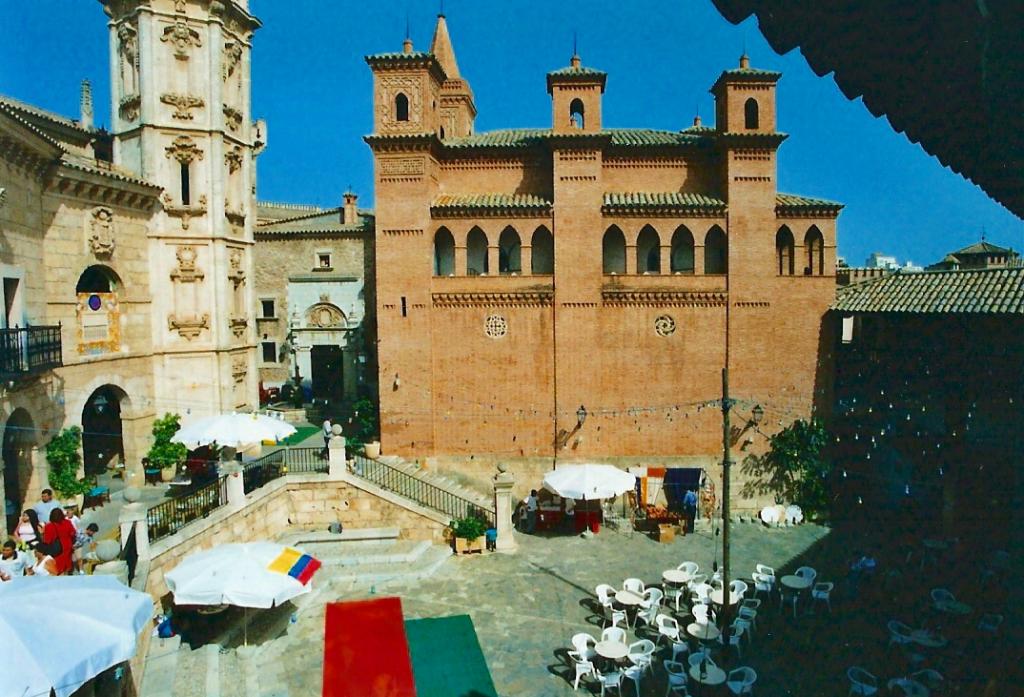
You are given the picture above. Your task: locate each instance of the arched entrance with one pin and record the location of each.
(102, 441)
(18, 439)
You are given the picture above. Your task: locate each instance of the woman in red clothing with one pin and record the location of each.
(62, 531)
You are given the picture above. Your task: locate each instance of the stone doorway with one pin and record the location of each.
(18, 439)
(102, 430)
(327, 373)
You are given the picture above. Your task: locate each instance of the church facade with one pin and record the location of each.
(575, 291)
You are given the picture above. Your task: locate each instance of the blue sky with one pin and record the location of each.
(312, 86)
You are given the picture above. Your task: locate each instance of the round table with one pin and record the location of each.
(718, 595)
(713, 675)
(676, 576)
(628, 598)
(612, 650)
(930, 640)
(796, 583)
(936, 545)
(703, 632)
(954, 607)
(910, 687)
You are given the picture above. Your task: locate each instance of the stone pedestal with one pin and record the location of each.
(235, 484)
(336, 454)
(133, 515)
(117, 569)
(503, 482)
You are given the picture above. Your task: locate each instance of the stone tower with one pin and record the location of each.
(180, 93)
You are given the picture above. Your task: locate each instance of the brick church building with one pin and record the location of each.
(575, 291)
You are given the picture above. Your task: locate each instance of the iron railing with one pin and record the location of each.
(29, 350)
(301, 460)
(423, 493)
(266, 469)
(168, 517)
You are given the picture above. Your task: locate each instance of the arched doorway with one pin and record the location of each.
(102, 440)
(19, 436)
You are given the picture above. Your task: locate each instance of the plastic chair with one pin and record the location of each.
(583, 668)
(697, 656)
(676, 679)
(747, 614)
(899, 633)
(766, 570)
(735, 635)
(611, 679)
(633, 584)
(738, 587)
(650, 606)
(741, 681)
(990, 623)
(696, 581)
(633, 673)
(902, 686)
(679, 647)
(744, 625)
(701, 613)
(932, 679)
(583, 644)
(807, 572)
(753, 603)
(861, 682)
(641, 653)
(701, 594)
(614, 634)
(821, 593)
(941, 595)
(689, 567)
(606, 596)
(668, 628)
(762, 583)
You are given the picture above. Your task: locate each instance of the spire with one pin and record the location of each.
(407, 44)
(744, 61)
(442, 49)
(85, 105)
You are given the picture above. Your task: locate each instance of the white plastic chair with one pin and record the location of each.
(650, 605)
(583, 668)
(633, 673)
(932, 679)
(900, 686)
(583, 644)
(701, 594)
(749, 615)
(762, 583)
(941, 595)
(738, 587)
(689, 567)
(696, 581)
(614, 634)
(741, 681)
(744, 625)
(641, 653)
(990, 623)
(766, 570)
(807, 572)
(899, 633)
(609, 680)
(862, 682)
(679, 647)
(697, 656)
(677, 678)
(753, 603)
(668, 628)
(606, 596)
(633, 584)
(735, 635)
(822, 593)
(701, 613)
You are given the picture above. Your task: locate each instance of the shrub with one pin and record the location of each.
(64, 458)
(468, 528)
(163, 452)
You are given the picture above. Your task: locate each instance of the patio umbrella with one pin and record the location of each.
(233, 430)
(589, 482)
(58, 632)
(253, 574)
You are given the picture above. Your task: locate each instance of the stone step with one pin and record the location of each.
(387, 574)
(401, 552)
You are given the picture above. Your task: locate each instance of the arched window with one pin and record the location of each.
(682, 250)
(784, 251)
(814, 245)
(576, 113)
(648, 251)
(98, 279)
(444, 253)
(613, 251)
(750, 113)
(542, 256)
(442, 132)
(476, 252)
(716, 252)
(509, 251)
(401, 107)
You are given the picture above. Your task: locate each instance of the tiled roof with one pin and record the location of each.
(792, 202)
(983, 247)
(490, 201)
(673, 200)
(106, 170)
(578, 71)
(35, 111)
(983, 291)
(399, 55)
(525, 137)
(752, 74)
(17, 117)
(321, 221)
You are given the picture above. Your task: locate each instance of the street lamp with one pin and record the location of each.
(756, 414)
(581, 416)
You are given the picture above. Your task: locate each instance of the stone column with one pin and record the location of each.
(666, 258)
(503, 482)
(493, 261)
(134, 515)
(630, 259)
(698, 259)
(526, 260)
(461, 260)
(336, 454)
(236, 484)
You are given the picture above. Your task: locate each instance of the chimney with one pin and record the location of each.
(85, 120)
(696, 120)
(744, 62)
(350, 213)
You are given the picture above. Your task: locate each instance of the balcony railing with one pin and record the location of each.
(28, 351)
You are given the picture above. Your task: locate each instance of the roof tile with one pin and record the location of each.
(490, 201)
(982, 291)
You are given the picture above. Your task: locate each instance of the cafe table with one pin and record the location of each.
(702, 631)
(718, 595)
(908, 686)
(707, 675)
(611, 651)
(629, 600)
(953, 607)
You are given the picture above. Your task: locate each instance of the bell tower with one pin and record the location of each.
(180, 111)
(576, 97)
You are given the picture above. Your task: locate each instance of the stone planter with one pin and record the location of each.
(372, 449)
(464, 546)
(290, 414)
(167, 473)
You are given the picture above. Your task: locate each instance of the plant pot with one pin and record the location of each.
(464, 546)
(372, 449)
(167, 473)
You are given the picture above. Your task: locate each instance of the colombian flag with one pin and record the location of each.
(296, 564)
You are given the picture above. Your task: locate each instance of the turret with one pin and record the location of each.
(458, 110)
(576, 97)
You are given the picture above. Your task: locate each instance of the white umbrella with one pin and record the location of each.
(589, 482)
(233, 430)
(58, 632)
(253, 574)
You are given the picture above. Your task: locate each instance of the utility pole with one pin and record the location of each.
(726, 464)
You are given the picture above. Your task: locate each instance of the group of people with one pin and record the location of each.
(47, 542)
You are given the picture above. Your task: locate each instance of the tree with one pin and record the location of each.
(163, 452)
(794, 468)
(62, 452)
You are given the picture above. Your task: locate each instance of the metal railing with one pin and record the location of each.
(266, 469)
(167, 517)
(423, 493)
(301, 460)
(29, 350)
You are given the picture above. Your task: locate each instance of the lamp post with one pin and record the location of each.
(581, 416)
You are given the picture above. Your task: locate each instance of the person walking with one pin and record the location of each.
(531, 512)
(13, 562)
(29, 532)
(45, 506)
(59, 538)
(45, 564)
(328, 432)
(690, 509)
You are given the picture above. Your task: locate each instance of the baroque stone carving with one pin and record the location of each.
(3, 197)
(183, 105)
(182, 38)
(389, 88)
(130, 106)
(128, 48)
(184, 212)
(236, 272)
(234, 158)
(664, 325)
(238, 323)
(232, 118)
(232, 57)
(495, 326)
(189, 327)
(402, 166)
(239, 368)
(325, 315)
(101, 232)
(187, 270)
(184, 150)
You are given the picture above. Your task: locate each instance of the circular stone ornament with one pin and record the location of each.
(664, 325)
(495, 326)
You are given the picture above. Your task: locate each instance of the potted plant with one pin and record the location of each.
(364, 428)
(469, 534)
(65, 459)
(163, 453)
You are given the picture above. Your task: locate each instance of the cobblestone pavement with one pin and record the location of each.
(525, 607)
